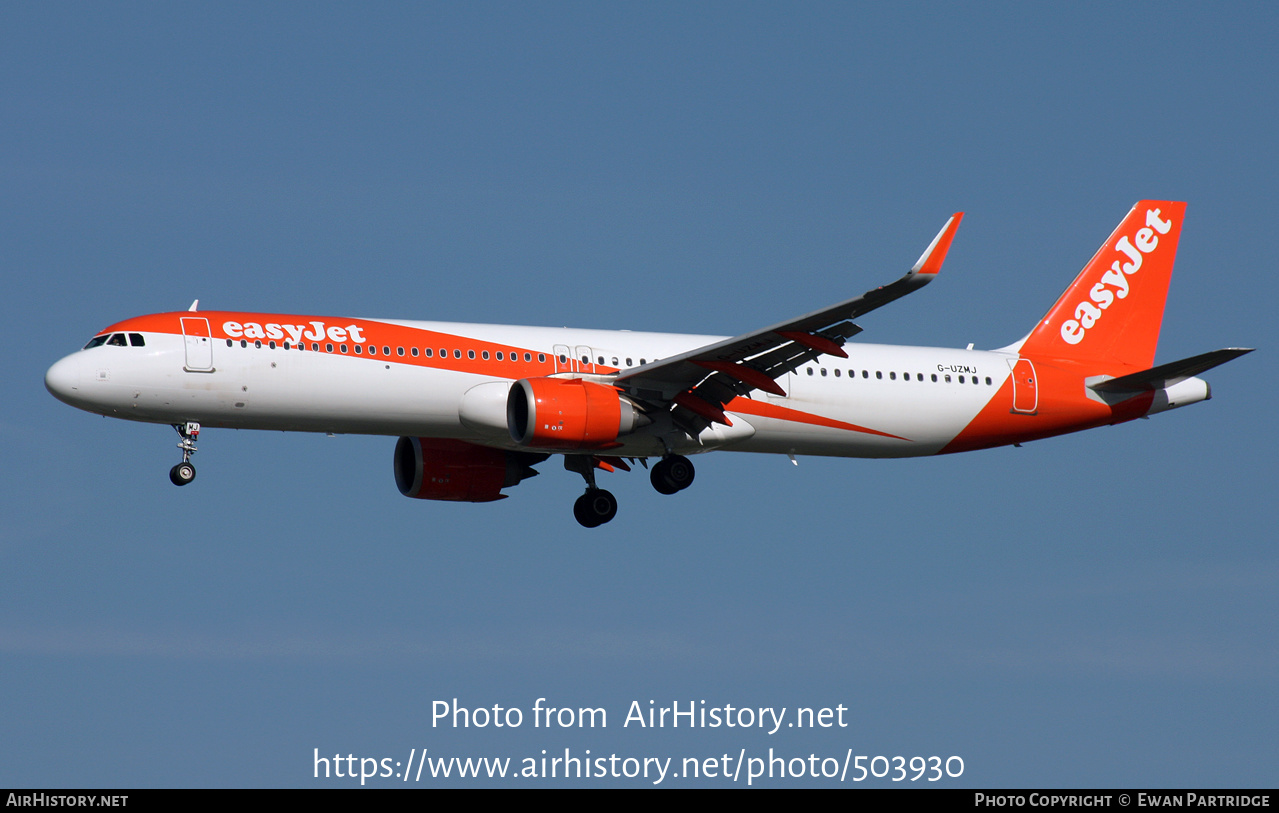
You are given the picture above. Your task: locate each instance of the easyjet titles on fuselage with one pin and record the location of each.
(271, 330)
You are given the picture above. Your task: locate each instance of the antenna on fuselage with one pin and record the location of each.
(194, 305)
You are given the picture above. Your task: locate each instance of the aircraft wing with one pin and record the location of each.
(697, 384)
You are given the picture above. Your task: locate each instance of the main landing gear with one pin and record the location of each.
(184, 472)
(674, 473)
(597, 506)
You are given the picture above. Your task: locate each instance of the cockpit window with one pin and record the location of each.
(96, 341)
(117, 340)
(136, 340)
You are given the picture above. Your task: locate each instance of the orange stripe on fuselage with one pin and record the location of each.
(1063, 407)
(372, 333)
(747, 406)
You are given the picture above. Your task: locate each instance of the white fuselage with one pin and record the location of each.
(882, 401)
(477, 406)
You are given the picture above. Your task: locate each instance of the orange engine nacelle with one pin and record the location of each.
(568, 413)
(442, 469)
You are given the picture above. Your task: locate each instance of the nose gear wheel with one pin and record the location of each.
(184, 472)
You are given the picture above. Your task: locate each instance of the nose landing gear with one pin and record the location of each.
(184, 472)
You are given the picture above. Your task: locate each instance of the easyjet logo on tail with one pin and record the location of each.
(1114, 283)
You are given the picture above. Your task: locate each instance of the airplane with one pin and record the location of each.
(476, 407)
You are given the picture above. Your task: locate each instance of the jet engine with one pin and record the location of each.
(444, 469)
(568, 413)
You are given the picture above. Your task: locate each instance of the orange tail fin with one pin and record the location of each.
(1113, 310)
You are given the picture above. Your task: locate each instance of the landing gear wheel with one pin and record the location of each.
(595, 507)
(674, 473)
(182, 474)
(660, 483)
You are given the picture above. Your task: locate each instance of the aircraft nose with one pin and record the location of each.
(63, 379)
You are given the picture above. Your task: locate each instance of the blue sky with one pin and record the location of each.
(1092, 610)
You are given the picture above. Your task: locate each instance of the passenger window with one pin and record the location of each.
(961, 379)
(628, 363)
(272, 345)
(428, 352)
(823, 371)
(892, 376)
(865, 373)
(359, 349)
(485, 355)
(837, 372)
(878, 374)
(343, 348)
(600, 361)
(399, 351)
(934, 378)
(987, 381)
(457, 354)
(257, 343)
(229, 343)
(948, 379)
(414, 352)
(810, 370)
(470, 354)
(373, 350)
(328, 348)
(541, 357)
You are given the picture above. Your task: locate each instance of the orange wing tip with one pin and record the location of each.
(930, 261)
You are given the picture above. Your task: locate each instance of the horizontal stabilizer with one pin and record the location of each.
(1170, 374)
